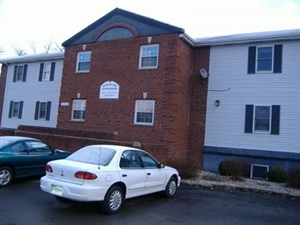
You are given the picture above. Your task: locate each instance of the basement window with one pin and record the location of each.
(259, 171)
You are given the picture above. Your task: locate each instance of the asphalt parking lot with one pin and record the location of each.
(24, 203)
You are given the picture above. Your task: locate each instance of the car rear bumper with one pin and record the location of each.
(73, 191)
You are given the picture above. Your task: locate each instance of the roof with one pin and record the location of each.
(33, 58)
(279, 35)
(132, 25)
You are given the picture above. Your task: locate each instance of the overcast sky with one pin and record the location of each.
(39, 21)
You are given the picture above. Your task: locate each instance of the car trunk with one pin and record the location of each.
(65, 170)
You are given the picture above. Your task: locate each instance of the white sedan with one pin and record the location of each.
(110, 174)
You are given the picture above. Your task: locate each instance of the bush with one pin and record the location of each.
(277, 174)
(234, 167)
(293, 177)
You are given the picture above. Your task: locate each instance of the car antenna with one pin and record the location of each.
(99, 158)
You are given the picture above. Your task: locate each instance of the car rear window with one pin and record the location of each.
(4, 142)
(93, 155)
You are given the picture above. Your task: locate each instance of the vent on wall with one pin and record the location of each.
(259, 171)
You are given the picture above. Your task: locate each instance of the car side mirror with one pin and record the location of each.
(52, 150)
(160, 165)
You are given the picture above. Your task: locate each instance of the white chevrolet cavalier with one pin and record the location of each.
(110, 174)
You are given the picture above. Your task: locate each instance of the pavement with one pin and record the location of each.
(211, 180)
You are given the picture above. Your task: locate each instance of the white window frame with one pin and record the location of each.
(82, 59)
(15, 110)
(268, 131)
(257, 59)
(46, 72)
(79, 105)
(144, 106)
(20, 73)
(147, 51)
(42, 113)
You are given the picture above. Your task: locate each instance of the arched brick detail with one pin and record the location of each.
(132, 30)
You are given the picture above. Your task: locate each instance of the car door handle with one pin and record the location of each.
(148, 174)
(124, 175)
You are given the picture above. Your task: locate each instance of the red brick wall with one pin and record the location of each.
(69, 140)
(7, 132)
(168, 85)
(180, 94)
(198, 96)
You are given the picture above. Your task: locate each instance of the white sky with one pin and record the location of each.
(39, 21)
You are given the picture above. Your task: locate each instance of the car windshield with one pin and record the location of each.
(93, 155)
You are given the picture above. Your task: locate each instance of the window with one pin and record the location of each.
(18, 148)
(265, 59)
(131, 160)
(20, 72)
(93, 155)
(47, 71)
(37, 147)
(83, 62)
(262, 119)
(42, 111)
(15, 109)
(148, 160)
(144, 112)
(78, 110)
(148, 56)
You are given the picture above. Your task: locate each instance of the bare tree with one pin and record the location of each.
(48, 46)
(32, 46)
(58, 48)
(18, 51)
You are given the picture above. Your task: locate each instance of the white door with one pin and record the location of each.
(132, 174)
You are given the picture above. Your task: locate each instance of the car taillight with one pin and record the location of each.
(48, 168)
(85, 175)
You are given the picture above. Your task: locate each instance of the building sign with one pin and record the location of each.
(109, 90)
(64, 104)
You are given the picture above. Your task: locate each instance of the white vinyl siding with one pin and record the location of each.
(29, 93)
(230, 83)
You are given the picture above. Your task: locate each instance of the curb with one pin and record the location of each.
(242, 189)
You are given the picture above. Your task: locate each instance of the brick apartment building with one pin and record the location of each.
(131, 80)
(137, 78)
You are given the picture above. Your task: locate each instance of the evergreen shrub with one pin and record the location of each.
(293, 177)
(277, 174)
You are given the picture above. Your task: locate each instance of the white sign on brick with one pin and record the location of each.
(109, 90)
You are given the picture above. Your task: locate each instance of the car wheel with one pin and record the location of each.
(6, 176)
(171, 188)
(113, 200)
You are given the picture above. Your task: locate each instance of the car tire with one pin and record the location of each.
(6, 176)
(113, 200)
(171, 187)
